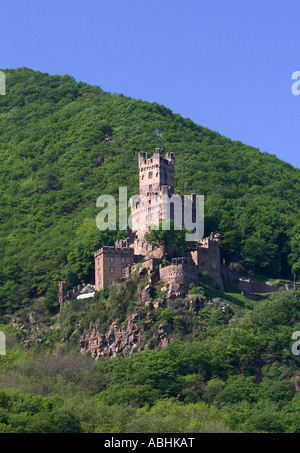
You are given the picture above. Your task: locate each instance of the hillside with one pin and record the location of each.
(55, 163)
(210, 367)
(211, 361)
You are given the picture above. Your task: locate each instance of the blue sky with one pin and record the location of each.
(226, 64)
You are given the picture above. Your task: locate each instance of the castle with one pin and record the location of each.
(178, 271)
(156, 181)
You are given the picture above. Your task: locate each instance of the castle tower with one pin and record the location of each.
(156, 172)
(156, 176)
(207, 257)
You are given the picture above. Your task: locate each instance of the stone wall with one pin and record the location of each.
(149, 267)
(228, 276)
(179, 274)
(143, 248)
(248, 287)
(64, 294)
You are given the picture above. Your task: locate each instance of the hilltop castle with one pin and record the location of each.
(156, 180)
(159, 262)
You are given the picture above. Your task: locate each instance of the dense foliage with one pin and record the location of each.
(63, 144)
(237, 374)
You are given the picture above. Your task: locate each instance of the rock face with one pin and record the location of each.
(126, 340)
(32, 325)
(117, 339)
(129, 336)
(195, 304)
(163, 334)
(145, 293)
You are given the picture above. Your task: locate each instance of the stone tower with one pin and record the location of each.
(156, 176)
(156, 172)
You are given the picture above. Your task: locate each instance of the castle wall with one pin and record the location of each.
(64, 294)
(146, 250)
(150, 264)
(250, 286)
(143, 248)
(162, 207)
(178, 274)
(157, 253)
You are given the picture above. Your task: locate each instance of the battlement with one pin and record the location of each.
(210, 240)
(122, 243)
(64, 294)
(143, 248)
(112, 250)
(158, 156)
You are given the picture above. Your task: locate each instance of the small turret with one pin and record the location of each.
(62, 292)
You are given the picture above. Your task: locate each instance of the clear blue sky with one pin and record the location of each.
(226, 64)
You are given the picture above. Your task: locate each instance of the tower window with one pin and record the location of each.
(123, 259)
(112, 270)
(111, 259)
(150, 187)
(123, 270)
(150, 174)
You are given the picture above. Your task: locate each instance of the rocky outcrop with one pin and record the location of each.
(31, 325)
(195, 304)
(145, 294)
(163, 335)
(117, 339)
(120, 339)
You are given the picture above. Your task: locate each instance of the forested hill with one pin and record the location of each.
(55, 163)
